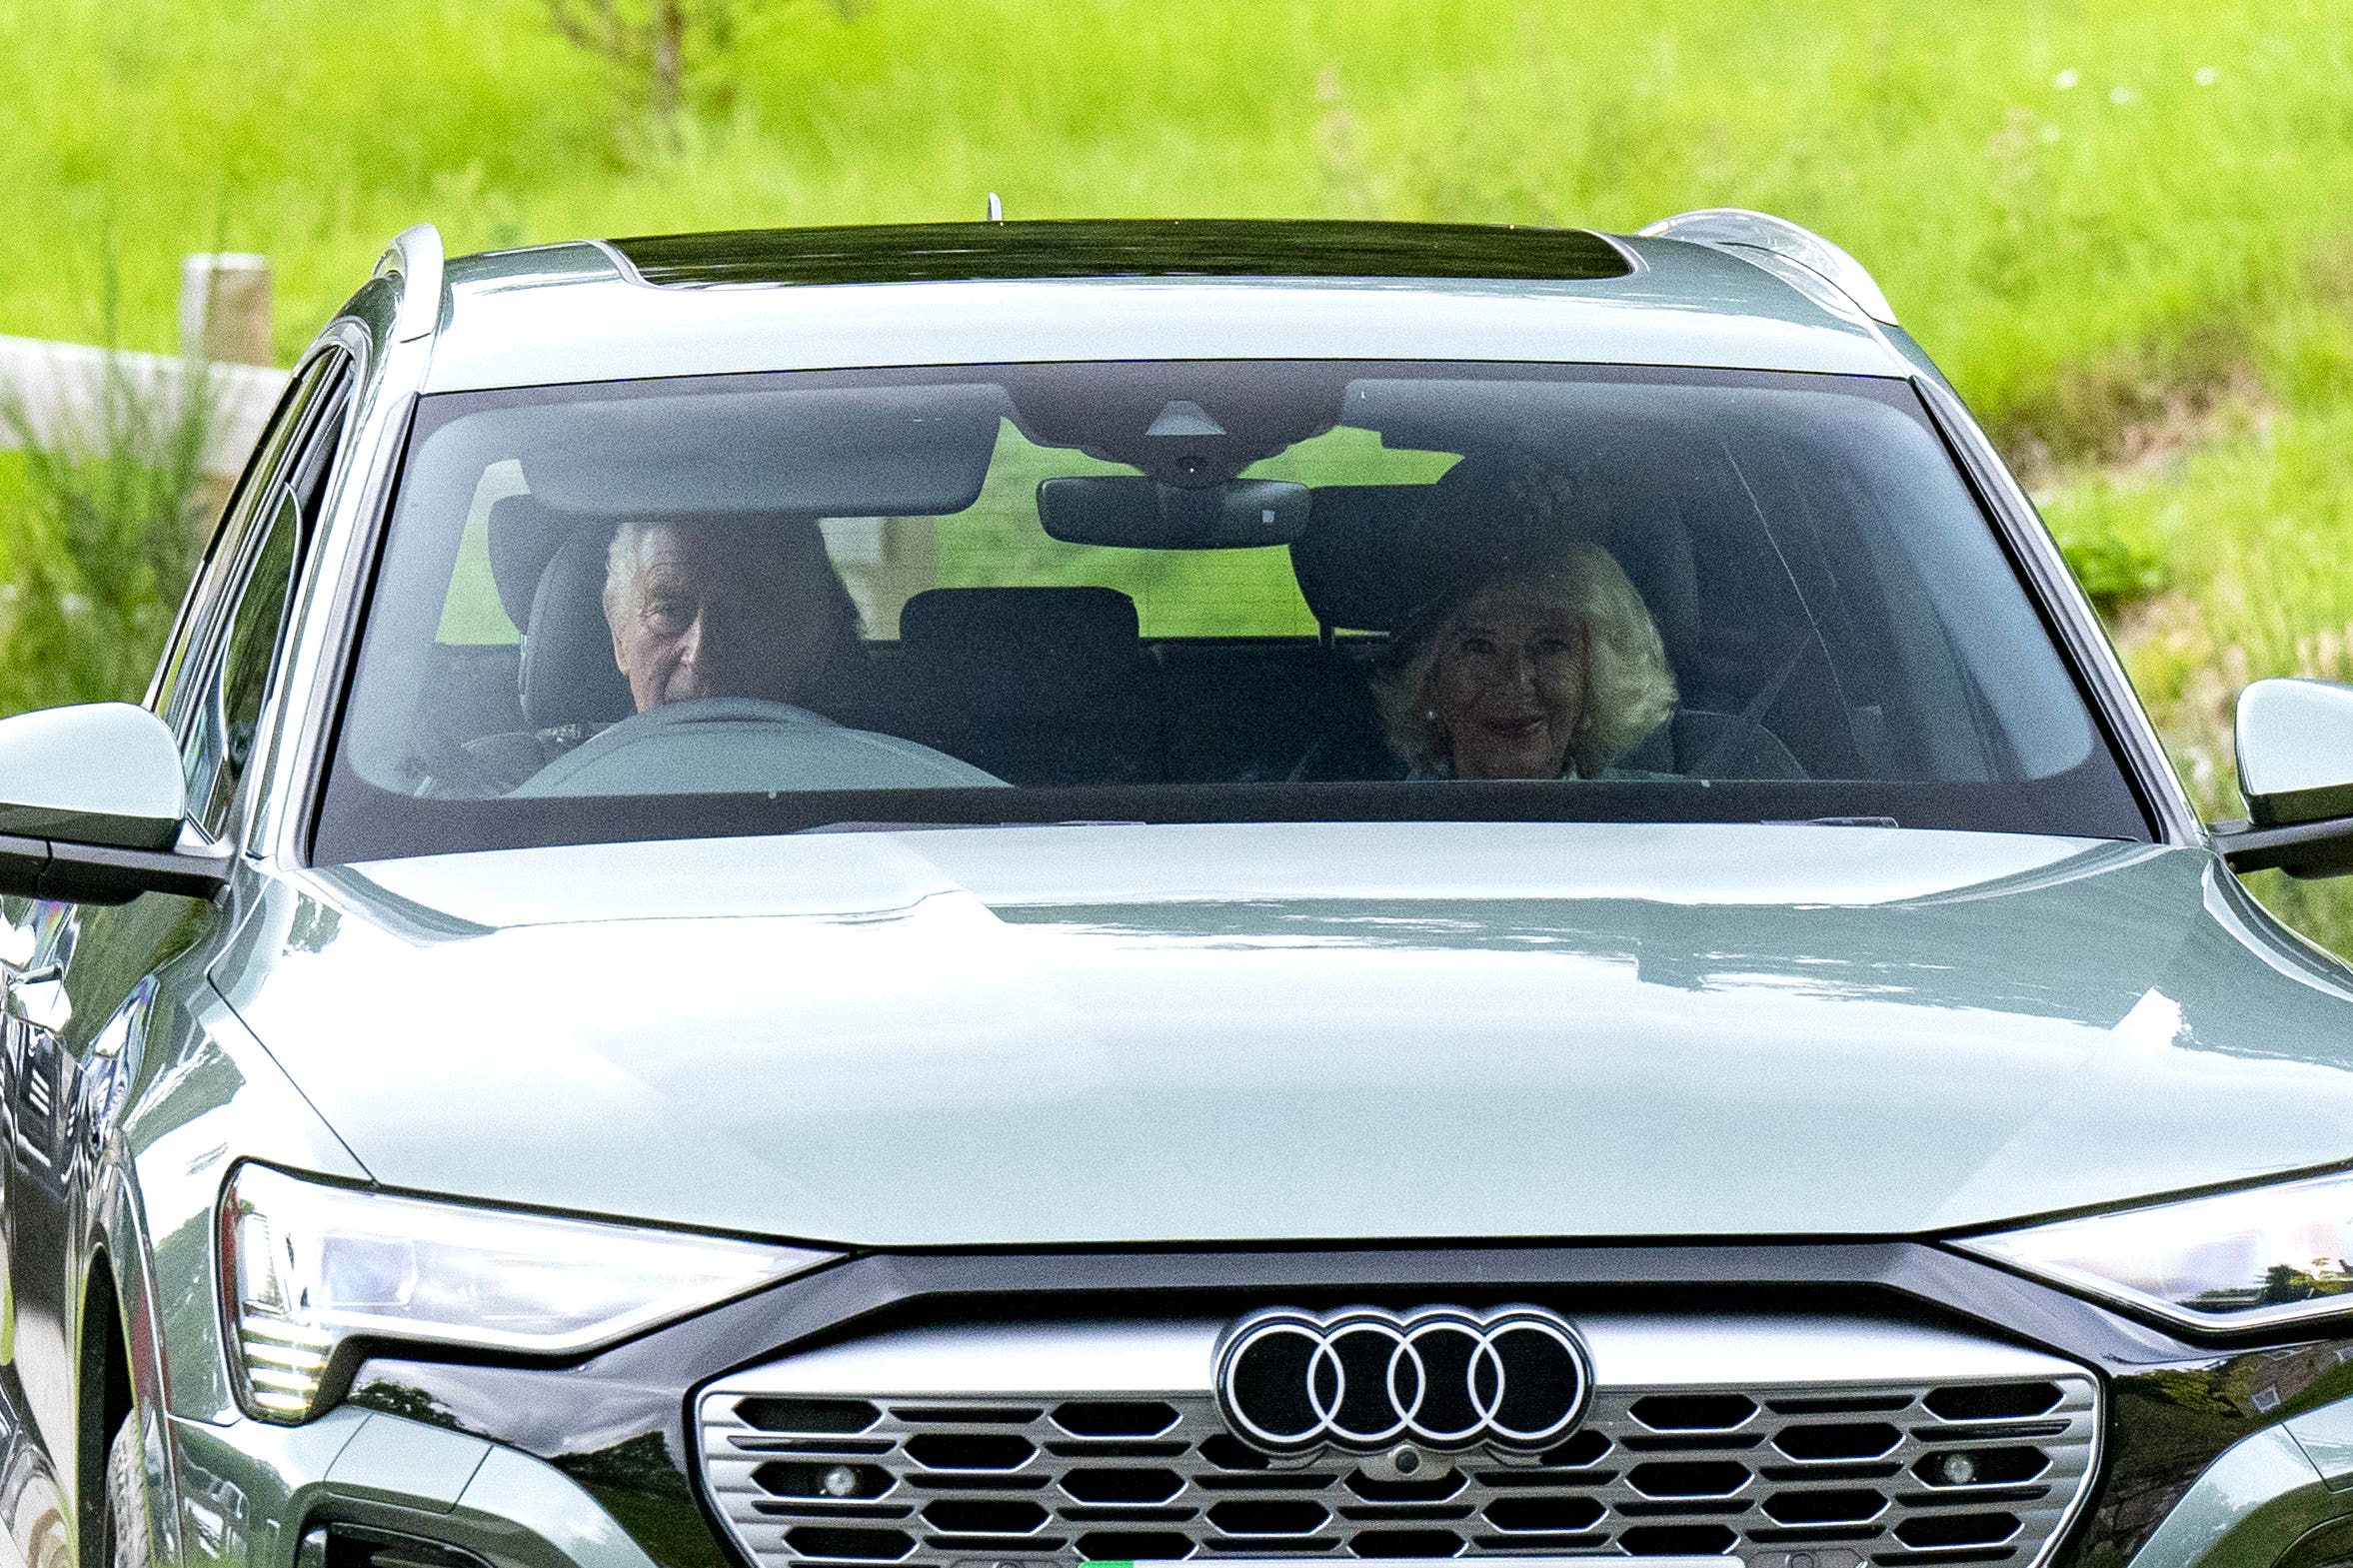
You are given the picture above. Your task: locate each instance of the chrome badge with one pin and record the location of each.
(1441, 1378)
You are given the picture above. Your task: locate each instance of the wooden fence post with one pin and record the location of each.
(225, 308)
(224, 320)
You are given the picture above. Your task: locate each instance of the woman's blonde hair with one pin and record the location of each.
(1630, 687)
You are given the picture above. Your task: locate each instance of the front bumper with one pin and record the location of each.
(2220, 1455)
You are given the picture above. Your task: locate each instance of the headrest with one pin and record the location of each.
(525, 533)
(1357, 561)
(568, 676)
(1025, 624)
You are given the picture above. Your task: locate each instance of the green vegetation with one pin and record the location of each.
(102, 521)
(2075, 254)
(2119, 227)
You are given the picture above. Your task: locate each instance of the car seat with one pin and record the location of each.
(1039, 686)
(567, 678)
(524, 535)
(565, 683)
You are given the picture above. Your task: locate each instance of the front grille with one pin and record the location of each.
(1980, 1460)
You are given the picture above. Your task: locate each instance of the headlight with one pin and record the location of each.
(306, 1267)
(2231, 1261)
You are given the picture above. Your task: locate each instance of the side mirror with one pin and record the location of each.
(93, 808)
(2295, 747)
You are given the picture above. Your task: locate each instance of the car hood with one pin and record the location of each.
(1115, 1033)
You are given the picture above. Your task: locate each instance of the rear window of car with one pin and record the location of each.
(1279, 591)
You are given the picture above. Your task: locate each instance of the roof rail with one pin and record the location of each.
(1736, 229)
(415, 256)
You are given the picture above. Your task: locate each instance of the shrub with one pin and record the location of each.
(104, 523)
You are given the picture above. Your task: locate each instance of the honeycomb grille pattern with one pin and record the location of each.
(1786, 1478)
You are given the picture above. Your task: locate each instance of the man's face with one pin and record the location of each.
(724, 612)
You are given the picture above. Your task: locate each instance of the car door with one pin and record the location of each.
(75, 981)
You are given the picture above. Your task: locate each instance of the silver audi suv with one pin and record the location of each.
(1010, 895)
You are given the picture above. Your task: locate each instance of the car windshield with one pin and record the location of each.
(1150, 592)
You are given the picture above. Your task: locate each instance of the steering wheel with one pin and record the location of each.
(744, 744)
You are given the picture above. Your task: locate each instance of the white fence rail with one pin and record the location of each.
(56, 392)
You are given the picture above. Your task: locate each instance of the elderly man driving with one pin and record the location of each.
(723, 608)
(721, 628)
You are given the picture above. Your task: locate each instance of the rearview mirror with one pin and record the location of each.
(93, 808)
(2295, 751)
(1144, 514)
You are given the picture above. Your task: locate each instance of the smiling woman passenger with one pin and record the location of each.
(1534, 662)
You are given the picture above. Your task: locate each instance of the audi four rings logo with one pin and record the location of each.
(1363, 1379)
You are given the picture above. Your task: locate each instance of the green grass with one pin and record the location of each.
(2118, 226)
(2257, 532)
(2034, 235)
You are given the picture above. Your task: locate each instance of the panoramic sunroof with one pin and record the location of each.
(1166, 247)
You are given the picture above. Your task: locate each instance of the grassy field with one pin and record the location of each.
(2066, 200)
(2118, 226)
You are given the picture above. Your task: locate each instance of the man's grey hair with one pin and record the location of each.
(625, 562)
(792, 546)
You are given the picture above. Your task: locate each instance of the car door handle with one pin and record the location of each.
(38, 975)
